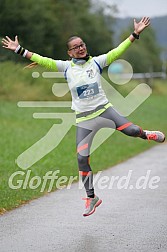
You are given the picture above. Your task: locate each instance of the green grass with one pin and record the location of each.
(19, 131)
(16, 83)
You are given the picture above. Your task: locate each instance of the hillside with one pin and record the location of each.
(157, 23)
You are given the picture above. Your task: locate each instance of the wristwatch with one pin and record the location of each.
(136, 36)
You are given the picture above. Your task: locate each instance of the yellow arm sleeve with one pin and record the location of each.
(44, 61)
(118, 51)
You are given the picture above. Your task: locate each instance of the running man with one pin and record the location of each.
(93, 110)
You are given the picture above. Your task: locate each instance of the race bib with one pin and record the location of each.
(87, 90)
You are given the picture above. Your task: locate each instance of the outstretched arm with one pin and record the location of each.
(118, 51)
(13, 45)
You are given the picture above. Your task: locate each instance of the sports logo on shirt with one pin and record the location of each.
(90, 73)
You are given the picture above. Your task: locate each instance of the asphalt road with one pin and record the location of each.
(132, 217)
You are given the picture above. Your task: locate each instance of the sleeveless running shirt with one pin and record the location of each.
(84, 79)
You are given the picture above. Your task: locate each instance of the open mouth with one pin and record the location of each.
(82, 53)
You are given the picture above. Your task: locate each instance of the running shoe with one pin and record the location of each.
(91, 204)
(157, 136)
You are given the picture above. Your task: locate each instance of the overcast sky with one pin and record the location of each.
(139, 8)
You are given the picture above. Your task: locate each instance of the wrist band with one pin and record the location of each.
(136, 36)
(20, 50)
(25, 53)
(17, 49)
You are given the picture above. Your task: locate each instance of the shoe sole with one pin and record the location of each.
(93, 210)
(162, 141)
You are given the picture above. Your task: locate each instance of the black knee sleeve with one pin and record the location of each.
(83, 163)
(133, 130)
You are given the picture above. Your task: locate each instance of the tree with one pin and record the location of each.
(44, 26)
(144, 54)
